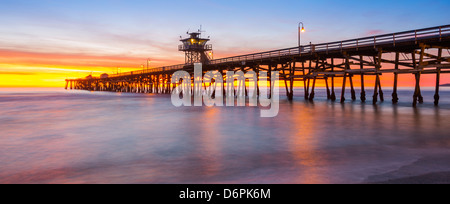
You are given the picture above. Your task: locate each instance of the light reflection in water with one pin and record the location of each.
(210, 149)
(304, 146)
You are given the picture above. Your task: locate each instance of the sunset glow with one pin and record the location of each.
(28, 69)
(42, 43)
(224, 99)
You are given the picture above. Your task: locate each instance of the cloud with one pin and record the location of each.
(375, 32)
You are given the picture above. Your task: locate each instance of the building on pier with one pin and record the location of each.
(196, 48)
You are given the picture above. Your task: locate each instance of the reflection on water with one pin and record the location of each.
(55, 136)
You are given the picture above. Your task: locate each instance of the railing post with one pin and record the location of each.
(341, 46)
(327, 48)
(374, 42)
(357, 44)
(440, 33)
(415, 36)
(394, 39)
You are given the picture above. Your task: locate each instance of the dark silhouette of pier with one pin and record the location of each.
(415, 52)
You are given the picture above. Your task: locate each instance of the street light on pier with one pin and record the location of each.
(300, 30)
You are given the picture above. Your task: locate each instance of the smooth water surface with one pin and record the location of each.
(58, 136)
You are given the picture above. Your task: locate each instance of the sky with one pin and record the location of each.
(43, 42)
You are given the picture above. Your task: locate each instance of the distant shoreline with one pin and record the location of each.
(445, 85)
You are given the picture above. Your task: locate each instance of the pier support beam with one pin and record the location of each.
(312, 95)
(285, 82)
(304, 81)
(291, 80)
(352, 88)
(375, 93)
(333, 94)
(377, 60)
(157, 79)
(417, 90)
(417, 97)
(308, 83)
(328, 89)
(394, 93)
(344, 81)
(270, 80)
(151, 84)
(363, 91)
(343, 88)
(256, 69)
(438, 77)
(436, 95)
(380, 89)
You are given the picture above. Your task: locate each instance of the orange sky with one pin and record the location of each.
(29, 69)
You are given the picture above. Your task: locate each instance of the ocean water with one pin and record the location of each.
(59, 136)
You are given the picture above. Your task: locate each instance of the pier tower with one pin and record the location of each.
(195, 48)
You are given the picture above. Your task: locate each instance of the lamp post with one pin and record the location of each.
(300, 30)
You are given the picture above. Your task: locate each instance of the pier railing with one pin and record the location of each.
(366, 42)
(394, 38)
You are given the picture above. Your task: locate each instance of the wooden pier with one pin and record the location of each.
(416, 52)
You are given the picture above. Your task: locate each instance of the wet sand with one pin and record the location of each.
(433, 169)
